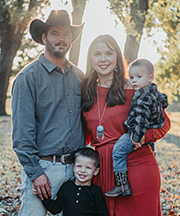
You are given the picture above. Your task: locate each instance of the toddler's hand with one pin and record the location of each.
(34, 190)
(142, 141)
(137, 145)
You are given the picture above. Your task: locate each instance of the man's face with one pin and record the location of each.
(58, 41)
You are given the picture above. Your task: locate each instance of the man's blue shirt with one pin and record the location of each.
(46, 106)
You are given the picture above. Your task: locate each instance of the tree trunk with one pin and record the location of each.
(77, 14)
(11, 33)
(133, 17)
(10, 43)
(131, 48)
(132, 43)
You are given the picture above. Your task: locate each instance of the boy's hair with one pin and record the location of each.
(88, 152)
(142, 63)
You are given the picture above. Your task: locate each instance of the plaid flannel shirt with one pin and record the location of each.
(146, 111)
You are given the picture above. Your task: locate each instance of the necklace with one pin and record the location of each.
(100, 128)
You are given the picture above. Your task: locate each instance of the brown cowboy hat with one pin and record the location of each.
(56, 18)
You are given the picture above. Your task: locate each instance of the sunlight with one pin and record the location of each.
(99, 20)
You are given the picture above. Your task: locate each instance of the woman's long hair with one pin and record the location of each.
(115, 94)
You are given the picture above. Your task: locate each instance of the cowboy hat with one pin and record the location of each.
(56, 18)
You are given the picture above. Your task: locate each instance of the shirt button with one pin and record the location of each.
(70, 111)
(67, 94)
(58, 69)
(77, 194)
(77, 201)
(79, 188)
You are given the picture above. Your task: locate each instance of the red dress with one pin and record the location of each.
(143, 169)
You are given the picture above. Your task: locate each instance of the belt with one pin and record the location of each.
(64, 159)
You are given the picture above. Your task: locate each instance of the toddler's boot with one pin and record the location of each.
(122, 186)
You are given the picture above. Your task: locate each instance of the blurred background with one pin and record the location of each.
(143, 29)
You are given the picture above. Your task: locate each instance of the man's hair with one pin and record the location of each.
(88, 152)
(142, 63)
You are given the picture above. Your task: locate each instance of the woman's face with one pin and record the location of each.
(104, 60)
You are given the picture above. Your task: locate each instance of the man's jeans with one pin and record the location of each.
(122, 148)
(58, 173)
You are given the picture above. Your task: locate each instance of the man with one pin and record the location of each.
(46, 113)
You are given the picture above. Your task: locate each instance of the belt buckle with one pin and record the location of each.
(63, 158)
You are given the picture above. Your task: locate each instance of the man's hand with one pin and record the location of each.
(42, 187)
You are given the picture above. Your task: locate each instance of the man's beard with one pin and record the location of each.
(57, 53)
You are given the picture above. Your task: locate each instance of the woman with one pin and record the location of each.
(106, 99)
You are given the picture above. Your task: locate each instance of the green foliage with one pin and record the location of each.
(16, 13)
(168, 68)
(162, 15)
(16, 10)
(166, 15)
(132, 14)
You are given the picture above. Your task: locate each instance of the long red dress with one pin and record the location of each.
(143, 169)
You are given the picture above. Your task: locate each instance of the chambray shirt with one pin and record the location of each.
(46, 113)
(146, 111)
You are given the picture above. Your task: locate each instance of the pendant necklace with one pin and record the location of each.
(100, 128)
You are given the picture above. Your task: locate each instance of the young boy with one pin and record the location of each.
(145, 112)
(80, 197)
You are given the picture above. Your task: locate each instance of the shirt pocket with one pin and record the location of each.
(77, 91)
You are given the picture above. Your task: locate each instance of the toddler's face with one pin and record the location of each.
(84, 169)
(140, 77)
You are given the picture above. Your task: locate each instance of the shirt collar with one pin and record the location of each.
(146, 89)
(50, 66)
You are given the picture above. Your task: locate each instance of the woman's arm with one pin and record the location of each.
(152, 135)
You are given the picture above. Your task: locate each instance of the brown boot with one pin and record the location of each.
(122, 186)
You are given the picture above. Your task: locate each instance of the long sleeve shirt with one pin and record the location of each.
(78, 200)
(46, 113)
(146, 111)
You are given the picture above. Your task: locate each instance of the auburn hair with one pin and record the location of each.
(115, 94)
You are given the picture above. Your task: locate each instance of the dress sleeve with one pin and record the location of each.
(152, 135)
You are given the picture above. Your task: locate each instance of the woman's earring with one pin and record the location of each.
(116, 68)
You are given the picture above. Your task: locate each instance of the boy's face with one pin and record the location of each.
(84, 169)
(140, 77)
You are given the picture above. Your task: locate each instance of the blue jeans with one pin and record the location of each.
(122, 148)
(57, 173)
